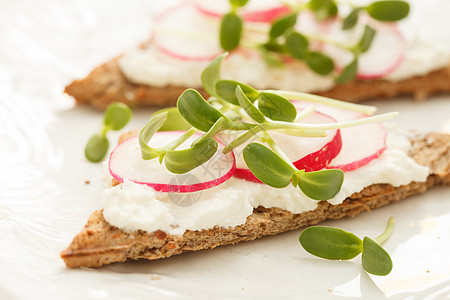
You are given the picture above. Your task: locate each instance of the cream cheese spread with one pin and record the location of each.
(424, 30)
(132, 206)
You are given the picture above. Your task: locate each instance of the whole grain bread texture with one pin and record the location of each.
(107, 84)
(100, 243)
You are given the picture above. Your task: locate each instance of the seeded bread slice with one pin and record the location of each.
(100, 243)
(107, 83)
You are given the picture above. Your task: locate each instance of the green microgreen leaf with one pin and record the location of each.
(274, 46)
(221, 124)
(174, 121)
(211, 74)
(226, 89)
(276, 107)
(297, 45)
(351, 19)
(183, 161)
(96, 148)
(271, 59)
(366, 39)
(320, 185)
(267, 166)
(323, 9)
(197, 111)
(319, 62)
(375, 259)
(330, 243)
(349, 72)
(388, 10)
(117, 115)
(230, 31)
(248, 106)
(238, 3)
(147, 133)
(242, 138)
(281, 25)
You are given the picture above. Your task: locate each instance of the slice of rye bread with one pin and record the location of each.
(100, 243)
(107, 83)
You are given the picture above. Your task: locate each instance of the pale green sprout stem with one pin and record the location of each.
(265, 126)
(304, 113)
(268, 139)
(180, 140)
(328, 126)
(242, 138)
(325, 39)
(220, 125)
(105, 129)
(370, 110)
(387, 233)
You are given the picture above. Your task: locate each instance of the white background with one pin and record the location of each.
(44, 200)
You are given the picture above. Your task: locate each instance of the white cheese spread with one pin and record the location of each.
(132, 206)
(424, 30)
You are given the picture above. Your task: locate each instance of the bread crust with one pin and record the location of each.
(107, 83)
(100, 243)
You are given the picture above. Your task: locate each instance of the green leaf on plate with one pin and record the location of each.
(330, 243)
(375, 259)
(117, 115)
(96, 148)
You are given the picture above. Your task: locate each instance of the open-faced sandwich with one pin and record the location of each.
(348, 52)
(248, 163)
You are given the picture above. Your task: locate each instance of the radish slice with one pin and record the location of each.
(360, 145)
(255, 11)
(353, 155)
(184, 33)
(126, 163)
(385, 55)
(309, 153)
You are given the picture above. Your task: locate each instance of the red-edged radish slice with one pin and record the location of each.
(385, 55)
(125, 162)
(360, 144)
(185, 33)
(255, 11)
(309, 153)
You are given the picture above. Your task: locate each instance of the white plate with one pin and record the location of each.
(45, 200)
